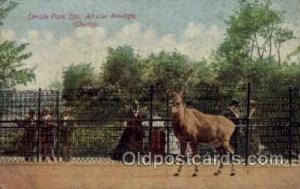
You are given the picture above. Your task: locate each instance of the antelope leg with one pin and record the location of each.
(194, 152)
(232, 166)
(221, 152)
(230, 149)
(183, 145)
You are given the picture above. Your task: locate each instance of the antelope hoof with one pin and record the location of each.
(232, 174)
(176, 175)
(194, 175)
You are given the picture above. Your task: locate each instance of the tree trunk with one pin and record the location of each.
(264, 48)
(270, 47)
(257, 46)
(277, 46)
(279, 56)
(252, 48)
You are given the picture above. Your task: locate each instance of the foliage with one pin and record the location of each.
(123, 69)
(5, 7)
(167, 70)
(13, 70)
(75, 76)
(253, 31)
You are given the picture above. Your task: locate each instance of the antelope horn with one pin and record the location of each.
(183, 89)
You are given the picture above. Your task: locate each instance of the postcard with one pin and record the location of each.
(149, 94)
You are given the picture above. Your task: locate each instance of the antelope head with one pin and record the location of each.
(176, 101)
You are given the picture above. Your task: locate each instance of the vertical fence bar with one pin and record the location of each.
(38, 125)
(247, 122)
(290, 123)
(168, 126)
(151, 117)
(57, 126)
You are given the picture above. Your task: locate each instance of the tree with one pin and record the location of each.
(252, 32)
(169, 70)
(12, 68)
(76, 76)
(123, 69)
(5, 7)
(254, 37)
(203, 74)
(281, 35)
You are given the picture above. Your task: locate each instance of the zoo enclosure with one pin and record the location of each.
(100, 117)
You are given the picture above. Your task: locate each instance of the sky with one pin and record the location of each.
(193, 27)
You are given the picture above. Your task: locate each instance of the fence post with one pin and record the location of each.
(38, 125)
(248, 122)
(168, 128)
(151, 117)
(57, 126)
(290, 123)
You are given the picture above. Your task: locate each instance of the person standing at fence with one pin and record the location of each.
(137, 133)
(132, 137)
(233, 112)
(66, 134)
(253, 111)
(30, 135)
(47, 135)
(158, 138)
(256, 145)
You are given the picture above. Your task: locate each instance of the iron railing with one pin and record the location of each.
(99, 120)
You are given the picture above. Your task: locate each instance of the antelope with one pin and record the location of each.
(194, 127)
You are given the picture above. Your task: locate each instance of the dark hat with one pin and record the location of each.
(234, 102)
(31, 111)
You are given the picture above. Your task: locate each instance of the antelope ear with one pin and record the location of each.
(184, 89)
(171, 93)
(181, 93)
(168, 92)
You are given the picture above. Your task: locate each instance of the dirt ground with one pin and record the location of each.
(31, 176)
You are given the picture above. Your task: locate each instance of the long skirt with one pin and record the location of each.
(66, 136)
(28, 142)
(158, 141)
(47, 141)
(131, 140)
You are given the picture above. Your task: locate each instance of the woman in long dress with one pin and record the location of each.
(133, 135)
(47, 135)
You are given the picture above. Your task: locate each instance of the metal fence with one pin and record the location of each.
(99, 119)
